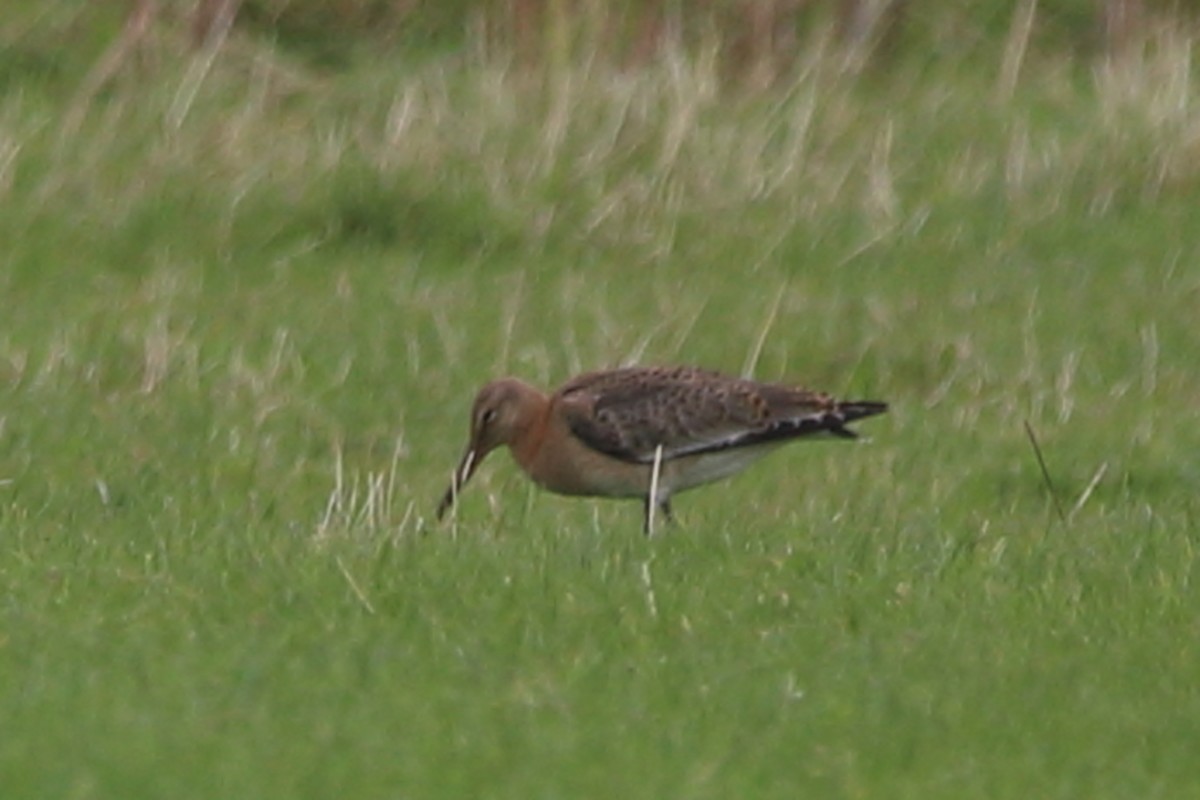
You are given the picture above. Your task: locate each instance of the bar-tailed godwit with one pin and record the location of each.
(644, 432)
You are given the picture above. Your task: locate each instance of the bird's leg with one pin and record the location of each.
(663, 509)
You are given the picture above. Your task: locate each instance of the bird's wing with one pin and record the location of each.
(628, 413)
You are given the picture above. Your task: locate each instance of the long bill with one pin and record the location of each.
(462, 474)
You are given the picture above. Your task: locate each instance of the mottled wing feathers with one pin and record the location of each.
(627, 413)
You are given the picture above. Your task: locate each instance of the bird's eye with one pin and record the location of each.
(488, 416)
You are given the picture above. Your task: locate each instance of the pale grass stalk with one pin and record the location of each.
(593, 119)
(606, 209)
(58, 355)
(681, 123)
(75, 165)
(777, 241)
(513, 301)
(751, 362)
(685, 332)
(874, 239)
(332, 146)
(1150, 359)
(1155, 84)
(366, 503)
(412, 348)
(1149, 380)
(1014, 49)
(342, 373)
(400, 117)
(652, 502)
(259, 94)
(1066, 385)
(242, 187)
(557, 123)
(798, 118)
(131, 39)
(537, 361)
(406, 519)
(967, 172)
(399, 451)
(1016, 160)
(454, 486)
(833, 183)
(1150, 93)
(637, 353)
(156, 354)
(571, 349)
(369, 510)
(380, 502)
(10, 148)
(354, 587)
(671, 205)
(199, 68)
(609, 132)
(281, 352)
(608, 328)
(17, 363)
(1101, 203)
(881, 196)
(337, 497)
(996, 554)
(449, 335)
(648, 587)
(1087, 492)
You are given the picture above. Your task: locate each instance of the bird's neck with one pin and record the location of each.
(530, 428)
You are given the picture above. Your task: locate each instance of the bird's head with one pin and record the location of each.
(502, 409)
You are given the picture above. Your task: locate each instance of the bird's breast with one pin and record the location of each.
(558, 461)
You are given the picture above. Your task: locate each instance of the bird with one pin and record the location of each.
(644, 432)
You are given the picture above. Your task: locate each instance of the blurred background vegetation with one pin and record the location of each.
(755, 41)
(255, 254)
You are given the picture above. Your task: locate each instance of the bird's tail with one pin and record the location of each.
(849, 411)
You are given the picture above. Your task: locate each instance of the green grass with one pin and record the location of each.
(244, 313)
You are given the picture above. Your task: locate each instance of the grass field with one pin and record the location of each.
(245, 305)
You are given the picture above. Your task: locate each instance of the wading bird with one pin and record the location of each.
(644, 432)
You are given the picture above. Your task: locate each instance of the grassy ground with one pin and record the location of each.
(246, 303)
